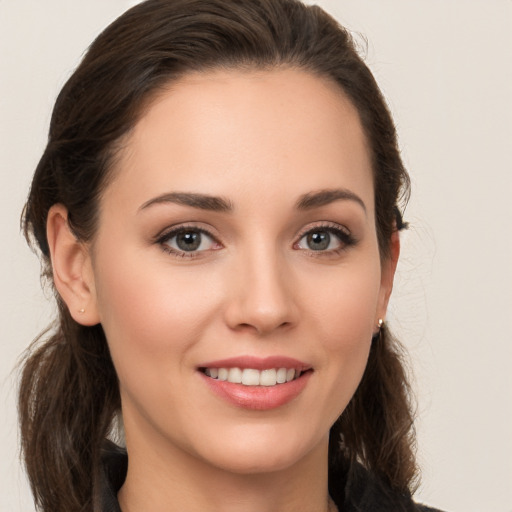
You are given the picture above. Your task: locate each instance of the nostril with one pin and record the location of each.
(261, 308)
(262, 327)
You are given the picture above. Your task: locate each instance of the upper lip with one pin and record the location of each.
(257, 363)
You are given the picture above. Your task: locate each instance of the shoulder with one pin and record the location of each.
(359, 490)
(355, 490)
(113, 472)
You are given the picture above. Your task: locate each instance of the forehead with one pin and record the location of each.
(245, 130)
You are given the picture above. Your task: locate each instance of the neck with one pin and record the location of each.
(166, 479)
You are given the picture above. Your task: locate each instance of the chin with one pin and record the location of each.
(258, 463)
(257, 454)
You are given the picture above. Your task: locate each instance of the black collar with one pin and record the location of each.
(353, 490)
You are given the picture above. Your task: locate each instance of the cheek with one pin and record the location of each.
(148, 310)
(346, 310)
(345, 323)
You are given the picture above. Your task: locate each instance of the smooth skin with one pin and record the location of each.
(273, 266)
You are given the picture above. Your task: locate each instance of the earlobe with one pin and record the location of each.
(71, 267)
(388, 274)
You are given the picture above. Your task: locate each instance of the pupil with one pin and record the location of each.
(188, 241)
(319, 241)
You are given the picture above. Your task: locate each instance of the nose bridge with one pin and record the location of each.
(262, 297)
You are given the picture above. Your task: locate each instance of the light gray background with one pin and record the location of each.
(446, 68)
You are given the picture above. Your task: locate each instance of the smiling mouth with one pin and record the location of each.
(253, 377)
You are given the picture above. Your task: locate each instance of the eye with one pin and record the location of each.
(325, 239)
(185, 241)
(319, 241)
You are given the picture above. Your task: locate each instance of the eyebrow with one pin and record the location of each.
(201, 201)
(218, 204)
(324, 197)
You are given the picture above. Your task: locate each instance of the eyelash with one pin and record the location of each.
(165, 237)
(345, 238)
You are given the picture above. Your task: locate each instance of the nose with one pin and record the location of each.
(262, 297)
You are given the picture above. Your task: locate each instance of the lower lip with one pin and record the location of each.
(260, 398)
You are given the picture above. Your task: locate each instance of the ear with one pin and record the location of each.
(387, 275)
(72, 270)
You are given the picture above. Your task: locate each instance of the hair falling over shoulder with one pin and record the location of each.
(69, 391)
(68, 397)
(377, 427)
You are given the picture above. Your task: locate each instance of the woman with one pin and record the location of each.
(217, 208)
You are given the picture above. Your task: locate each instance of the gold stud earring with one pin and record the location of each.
(376, 335)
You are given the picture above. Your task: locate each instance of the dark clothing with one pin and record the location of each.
(115, 465)
(358, 491)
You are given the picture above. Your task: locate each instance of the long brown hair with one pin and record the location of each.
(69, 391)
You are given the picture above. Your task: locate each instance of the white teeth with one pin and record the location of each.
(252, 377)
(268, 378)
(281, 375)
(235, 375)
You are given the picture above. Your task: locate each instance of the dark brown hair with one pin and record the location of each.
(69, 391)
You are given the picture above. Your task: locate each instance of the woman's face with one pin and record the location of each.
(237, 241)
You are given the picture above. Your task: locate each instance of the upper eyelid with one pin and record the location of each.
(173, 230)
(168, 234)
(323, 225)
(344, 235)
(170, 231)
